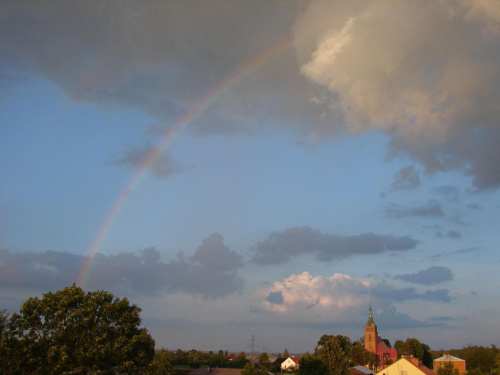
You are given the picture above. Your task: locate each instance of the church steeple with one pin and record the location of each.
(370, 317)
(371, 333)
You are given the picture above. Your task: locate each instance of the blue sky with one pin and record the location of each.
(357, 165)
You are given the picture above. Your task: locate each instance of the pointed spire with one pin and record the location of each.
(370, 317)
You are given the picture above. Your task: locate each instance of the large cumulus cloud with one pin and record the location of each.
(424, 72)
(338, 299)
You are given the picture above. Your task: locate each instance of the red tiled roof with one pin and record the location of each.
(382, 348)
(414, 361)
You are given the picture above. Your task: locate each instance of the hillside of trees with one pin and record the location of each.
(76, 332)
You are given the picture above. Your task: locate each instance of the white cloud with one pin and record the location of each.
(338, 299)
(425, 73)
(334, 297)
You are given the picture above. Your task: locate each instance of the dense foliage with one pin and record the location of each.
(71, 331)
(334, 357)
(479, 359)
(447, 369)
(312, 365)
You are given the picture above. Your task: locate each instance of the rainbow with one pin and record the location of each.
(190, 117)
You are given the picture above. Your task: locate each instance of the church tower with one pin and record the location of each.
(371, 334)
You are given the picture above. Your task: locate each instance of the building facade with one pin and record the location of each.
(458, 363)
(376, 345)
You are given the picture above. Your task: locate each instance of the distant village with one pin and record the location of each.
(374, 357)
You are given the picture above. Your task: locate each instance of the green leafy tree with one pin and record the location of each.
(334, 358)
(4, 319)
(71, 331)
(398, 345)
(358, 355)
(497, 363)
(447, 369)
(323, 339)
(311, 365)
(250, 369)
(427, 359)
(480, 357)
(387, 342)
(413, 347)
(286, 354)
(161, 364)
(343, 341)
(264, 361)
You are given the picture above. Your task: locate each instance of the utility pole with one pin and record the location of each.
(252, 345)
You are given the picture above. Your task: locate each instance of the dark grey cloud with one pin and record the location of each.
(431, 209)
(390, 318)
(456, 252)
(455, 234)
(387, 292)
(440, 318)
(167, 58)
(217, 256)
(430, 276)
(279, 247)
(406, 179)
(162, 166)
(472, 151)
(129, 273)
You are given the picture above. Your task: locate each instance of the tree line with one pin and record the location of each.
(76, 332)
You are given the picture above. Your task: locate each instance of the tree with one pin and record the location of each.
(250, 369)
(264, 361)
(343, 341)
(323, 339)
(4, 318)
(447, 369)
(480, 357)
(334, 358)
(71, 331)
(161, 364)
(285, 353)
(358, 355)
(398, 345)
(311, 365)
(413, 347)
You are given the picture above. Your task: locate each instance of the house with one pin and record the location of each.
(216, 371)
(291, 363)
(376, 345)
(407, 366)
(458, 363)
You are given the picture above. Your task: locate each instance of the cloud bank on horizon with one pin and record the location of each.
(356, 162)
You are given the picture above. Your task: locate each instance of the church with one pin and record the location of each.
(374, 344)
